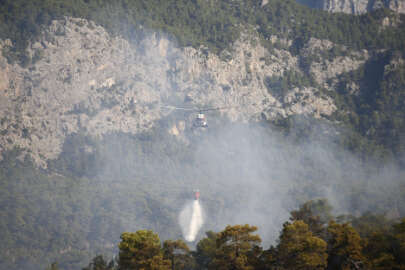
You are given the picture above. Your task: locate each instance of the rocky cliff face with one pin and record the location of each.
(83, 79)
(355, 6)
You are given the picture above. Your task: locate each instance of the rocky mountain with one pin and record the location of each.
(83, 78)
(355, 6)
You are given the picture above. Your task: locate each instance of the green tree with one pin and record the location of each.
(299, 249)
(54, 266)
(399, 244)
(269, 259)
(178, 253)
(237, 248)
(316, 214)
(379, 241)
(344, 247)
(206, 248)
(378, 251)
(141, 250)
(99, 263)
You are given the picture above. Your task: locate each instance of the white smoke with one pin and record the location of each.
(191, 219)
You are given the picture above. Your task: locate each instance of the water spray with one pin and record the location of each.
(191, 219)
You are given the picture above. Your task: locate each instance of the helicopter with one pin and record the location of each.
(200, 120)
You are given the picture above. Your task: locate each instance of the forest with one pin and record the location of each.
(310, 239)
(130, 183)
(214, 24)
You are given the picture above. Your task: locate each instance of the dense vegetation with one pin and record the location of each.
(215, 24)
(375, 112)
(311, 239)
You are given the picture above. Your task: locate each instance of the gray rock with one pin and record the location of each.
(355, 6)
(87, 80)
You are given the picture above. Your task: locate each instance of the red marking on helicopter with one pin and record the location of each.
(197, 195)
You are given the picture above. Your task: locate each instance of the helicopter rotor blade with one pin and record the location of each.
(205, 109)
(178, 108)
(219, 108)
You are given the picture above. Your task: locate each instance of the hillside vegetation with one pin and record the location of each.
(311, 239)
(99, 187)
(215, 24)
(139, 182)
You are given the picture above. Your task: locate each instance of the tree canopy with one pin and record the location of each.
(238, 247)
(141, 250)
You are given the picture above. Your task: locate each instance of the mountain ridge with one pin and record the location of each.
(355, 7)
(97, 87)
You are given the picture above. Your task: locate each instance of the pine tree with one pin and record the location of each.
(299, 249)
(344, 247)
(141, 250)
(237, 248)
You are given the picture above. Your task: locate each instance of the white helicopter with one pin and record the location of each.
(200, 121)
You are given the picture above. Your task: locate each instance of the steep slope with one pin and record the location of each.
(83, 78)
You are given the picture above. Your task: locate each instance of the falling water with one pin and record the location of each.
(191, 219)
